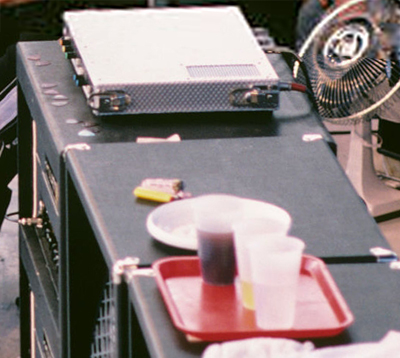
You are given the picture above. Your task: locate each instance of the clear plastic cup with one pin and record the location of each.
(277, 223)
(214, 215)
(275, 271)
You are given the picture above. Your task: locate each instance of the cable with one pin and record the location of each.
(307, 88)
(280, 50)
(5, 89)
(8, 217)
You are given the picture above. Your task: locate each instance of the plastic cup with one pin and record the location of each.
(214, 215)
(275, 269)
(278, 223)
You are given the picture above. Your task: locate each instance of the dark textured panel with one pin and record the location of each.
(302, 177)
(370, 290)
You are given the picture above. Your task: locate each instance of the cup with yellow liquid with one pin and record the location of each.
(246, 231)
(275, 270)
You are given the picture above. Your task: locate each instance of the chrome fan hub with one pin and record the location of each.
(346, 45)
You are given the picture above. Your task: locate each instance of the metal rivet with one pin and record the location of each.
(72, 121)
(86, 133)
(59, 103)
(60, 97)
(395, 265)
(89, 124)
(48, 85)
(34, 57)
(312, 137)
(42, 63)
(50, 92)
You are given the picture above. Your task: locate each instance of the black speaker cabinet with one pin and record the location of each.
(79, 218)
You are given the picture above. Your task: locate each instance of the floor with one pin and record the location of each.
(9, 318)
(389, 228)
(9, 276)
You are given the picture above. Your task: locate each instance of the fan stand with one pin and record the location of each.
(379, 198)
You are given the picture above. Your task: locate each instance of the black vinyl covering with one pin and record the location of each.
(372, 293)
(296, 116)
(302, 177)
(370, 290)
(261, 157)
(277, 166)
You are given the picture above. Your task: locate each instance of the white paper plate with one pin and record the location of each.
(173, 223)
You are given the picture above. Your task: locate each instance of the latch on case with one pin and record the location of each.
(113, 101)
(259, 96)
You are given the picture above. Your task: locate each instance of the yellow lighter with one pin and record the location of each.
(149, 194)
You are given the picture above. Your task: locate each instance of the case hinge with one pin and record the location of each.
(113, 101)
(129, 268)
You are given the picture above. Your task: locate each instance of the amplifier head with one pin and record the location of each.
(195, 59)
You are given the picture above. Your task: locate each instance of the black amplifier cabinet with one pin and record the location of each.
(108, 241)
(64, 269)
(40, 295)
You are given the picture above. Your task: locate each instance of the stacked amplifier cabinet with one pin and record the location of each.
(63, 273)
(70, 305)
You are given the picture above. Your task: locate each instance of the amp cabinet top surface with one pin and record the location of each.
(302, 177)
(277, 166)
(372, 320)
(59, 107)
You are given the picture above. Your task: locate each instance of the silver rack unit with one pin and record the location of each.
(169, 60)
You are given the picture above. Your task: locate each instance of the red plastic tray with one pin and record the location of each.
(215, 313)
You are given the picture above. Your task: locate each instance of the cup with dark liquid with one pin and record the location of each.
(214, 215)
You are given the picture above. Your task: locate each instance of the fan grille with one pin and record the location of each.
(104, 340)
(352, 62)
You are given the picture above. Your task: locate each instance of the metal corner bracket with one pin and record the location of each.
(312, 137)
(76, 146)
(129, 268)
(383, 255)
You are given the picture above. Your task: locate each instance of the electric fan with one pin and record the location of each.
(352, 64)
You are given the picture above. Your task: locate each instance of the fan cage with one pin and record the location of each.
(104, 344)
(352, 71)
